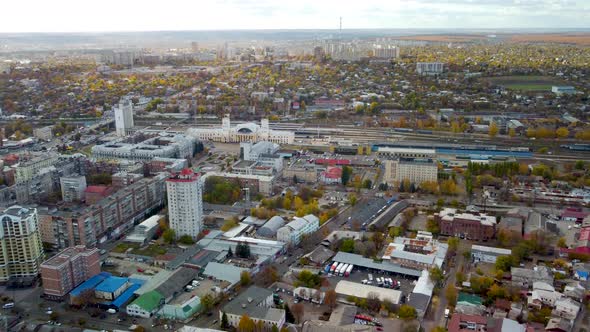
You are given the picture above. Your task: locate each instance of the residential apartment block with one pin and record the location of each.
(108, 218)
(185, 203)
(20, 242)
(416, 171)
(72, 188)
(68, 269)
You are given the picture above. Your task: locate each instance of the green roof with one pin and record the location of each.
(469, 298)
(149, 301)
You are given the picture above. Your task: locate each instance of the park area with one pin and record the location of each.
(525, 82)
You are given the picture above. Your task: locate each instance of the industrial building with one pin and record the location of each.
(293, 231)
(257, 303)
(346, 288)
(145, 231)
(145, 147)
(488, 254)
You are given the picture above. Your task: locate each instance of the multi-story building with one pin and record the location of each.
(124, 117)
(185, 203)
(72, 188)
(257, 303)
(430, 68)
(68, 269)
(146, 148)
(108, 218)
(563, 89)
(386, 52)
(43, 133)
(414, 170)
(26, 170)
(472, 226)
(245, 132)
(420, 253)
(20, 243)
(292, 232)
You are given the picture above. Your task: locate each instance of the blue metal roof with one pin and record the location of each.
(111, 284)
(90, 283)
(124, 297)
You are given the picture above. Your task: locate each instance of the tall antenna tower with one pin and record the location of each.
(340, 32)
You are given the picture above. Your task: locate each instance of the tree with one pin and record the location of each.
(453, 243)
(347, 245)
(373, 302)
(378, 239)
(504, 263)
(407, 312)
(246, 324)
(330, 298)
(511, 132)
(493, 131)
(186, 239)
(497, 292)
(432, 226)
(562, 132)
(245, 278)
(561, 243)
(169, 235)
(451, 295)
(224, 321)
(436, 275)
(438, 329)
(346, 174)
(298, 311)
(207, 302)
(352, 200)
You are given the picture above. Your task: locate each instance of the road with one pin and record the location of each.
(436, 315)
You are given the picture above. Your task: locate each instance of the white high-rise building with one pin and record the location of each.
(185, 203)
(124, 117)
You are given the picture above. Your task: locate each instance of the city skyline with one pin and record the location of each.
(178, 15)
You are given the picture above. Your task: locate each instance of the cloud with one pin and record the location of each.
(125, 15)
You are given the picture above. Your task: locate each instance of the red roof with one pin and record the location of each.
(585, 234)
(573, 213)
(333, 173)
(455, 323)
(332, 162)
(186, 175)
(96, 189)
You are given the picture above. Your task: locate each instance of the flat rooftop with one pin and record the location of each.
(65, 255)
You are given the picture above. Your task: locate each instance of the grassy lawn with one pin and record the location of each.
(530, 87)
(122, 247)
(151, 250)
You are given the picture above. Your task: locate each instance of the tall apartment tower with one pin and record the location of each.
(124, 117)
(185, 203)
(21, 250)
(68, 269)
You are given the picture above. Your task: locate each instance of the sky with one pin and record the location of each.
(151, 15)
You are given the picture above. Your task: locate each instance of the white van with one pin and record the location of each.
(8, 305)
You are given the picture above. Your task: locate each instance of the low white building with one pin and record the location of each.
(145, 231)
(257, 303)
(292, 232)
(488, 254)
(245, 132)
(347, 288)
(567, 308)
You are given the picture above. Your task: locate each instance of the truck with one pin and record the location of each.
(348, 270)
(333, 267)
(338, 268)
(342, 270)
(327, 269)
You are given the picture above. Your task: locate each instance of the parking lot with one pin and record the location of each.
(406, 284)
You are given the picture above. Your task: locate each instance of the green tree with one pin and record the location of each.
(504, 263)
(346, 174)
(453, 243)
(436, 275)
(561, 243)
(493, 131)
(347, 245)
(224, 321)
(169, 235)
(245, 278)
(207, 302)
(352, 199)
(407, 312)
(186, 239)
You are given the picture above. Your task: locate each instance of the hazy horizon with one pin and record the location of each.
(110, 16)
